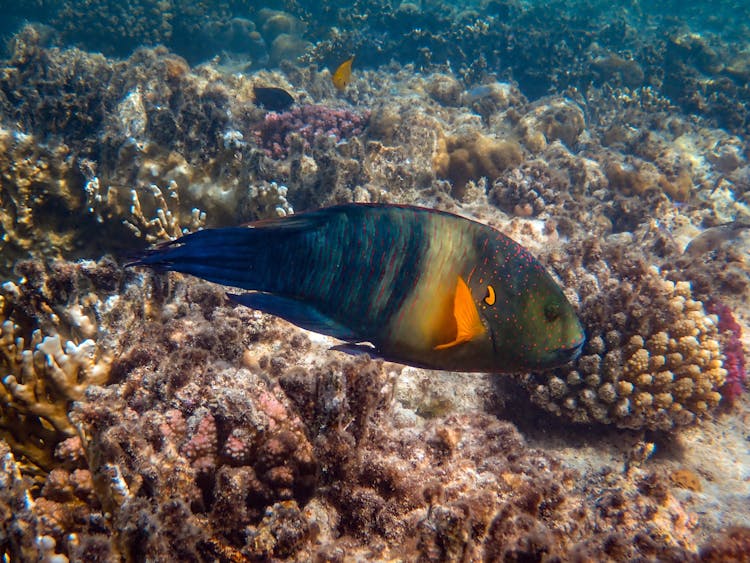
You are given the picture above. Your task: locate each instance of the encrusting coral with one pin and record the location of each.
(653, 357)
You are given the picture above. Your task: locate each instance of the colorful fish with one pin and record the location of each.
(343, 75)
(422, 287)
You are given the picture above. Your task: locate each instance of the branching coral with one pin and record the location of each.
(42, 381)
(310, 122)
(167, 224)
(40, 193)
(57, 337)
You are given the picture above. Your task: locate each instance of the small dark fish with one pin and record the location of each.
(714, 237)
(424, 287)
(270, 97)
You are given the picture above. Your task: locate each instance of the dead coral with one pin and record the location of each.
(221, 462)
(731, 547)
(42, 198)
(462, 487)
(556, 119)
(635, 177)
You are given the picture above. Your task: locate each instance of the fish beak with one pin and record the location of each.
(573, 352)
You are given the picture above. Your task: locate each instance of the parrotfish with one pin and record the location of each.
(412, 285)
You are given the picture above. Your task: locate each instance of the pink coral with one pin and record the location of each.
(201, 448)
(732, 349)
(310, 122)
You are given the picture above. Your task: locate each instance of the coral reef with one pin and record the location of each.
(653, 356)
(146, 416)
(53, 345)
(464, 159)
(256, 458)
(310, 123)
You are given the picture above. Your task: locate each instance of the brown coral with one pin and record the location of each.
(469, 158)
(652, 357)
(48, 354)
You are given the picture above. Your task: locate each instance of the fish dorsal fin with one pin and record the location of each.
(468, 323)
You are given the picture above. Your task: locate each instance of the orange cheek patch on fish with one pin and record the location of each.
(391, 281)
(468, 323)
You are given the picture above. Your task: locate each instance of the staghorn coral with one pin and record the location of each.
(653, 357)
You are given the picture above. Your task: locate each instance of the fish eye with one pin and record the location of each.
(490, 297)
(551, 311)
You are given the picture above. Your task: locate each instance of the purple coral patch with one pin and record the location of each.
(310, 122)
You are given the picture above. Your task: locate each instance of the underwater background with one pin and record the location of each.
(146, 417)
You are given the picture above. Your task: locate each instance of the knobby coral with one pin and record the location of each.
(310, 122)
(653, 356)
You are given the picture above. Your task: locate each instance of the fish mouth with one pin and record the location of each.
(573, 352)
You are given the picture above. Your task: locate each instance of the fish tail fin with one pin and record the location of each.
(235, 256)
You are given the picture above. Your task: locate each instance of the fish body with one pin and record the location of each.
(713, 237)
(343, 75)
(272, 98)
(424, 287)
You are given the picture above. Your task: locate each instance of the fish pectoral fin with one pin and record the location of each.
(468, 323)
(357, 349)
(296, 312)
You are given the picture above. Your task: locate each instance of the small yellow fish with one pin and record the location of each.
(343, 75)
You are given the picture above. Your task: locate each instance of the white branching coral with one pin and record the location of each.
(168, 223)
(267, 201)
